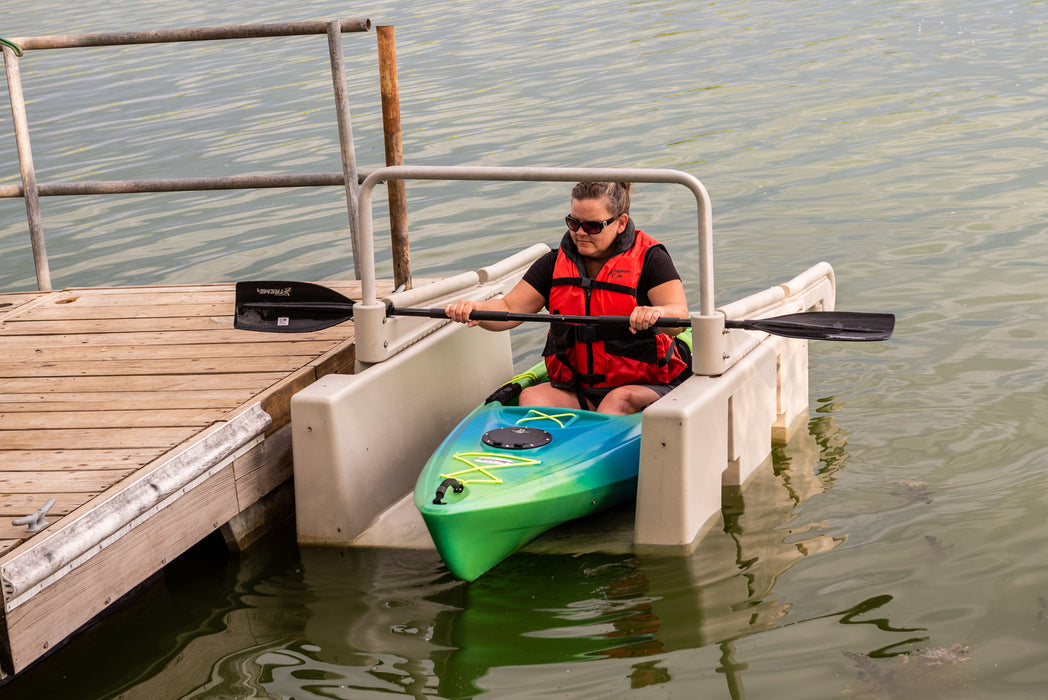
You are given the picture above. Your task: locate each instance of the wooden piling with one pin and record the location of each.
(398, 217)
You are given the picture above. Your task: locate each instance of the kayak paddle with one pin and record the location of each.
(302, 307)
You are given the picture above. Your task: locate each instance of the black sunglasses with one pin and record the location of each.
(590, 227)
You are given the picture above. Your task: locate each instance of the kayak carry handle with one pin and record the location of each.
(455, 485)
(505, 393)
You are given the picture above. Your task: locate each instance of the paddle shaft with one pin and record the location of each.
(300, 307)
(838, 325)
(813, 325)
(475, 315)
(510, 316)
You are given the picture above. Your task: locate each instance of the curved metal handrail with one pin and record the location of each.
(366, 244)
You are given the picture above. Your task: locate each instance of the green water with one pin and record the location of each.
(895, 549)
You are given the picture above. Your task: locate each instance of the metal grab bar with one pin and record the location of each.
(162, 36)
(31, 190)
(186, 184)
(529, 174)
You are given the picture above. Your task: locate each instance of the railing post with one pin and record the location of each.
(345, 133)
(25, 161)
(398, 215)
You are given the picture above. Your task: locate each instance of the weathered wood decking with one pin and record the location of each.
(152, 422)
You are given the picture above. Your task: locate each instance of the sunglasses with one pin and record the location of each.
(590, 227)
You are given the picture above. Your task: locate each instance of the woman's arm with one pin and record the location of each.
(523, 298)
(667, 300)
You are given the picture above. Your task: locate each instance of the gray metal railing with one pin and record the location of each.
(538, 174)
(372, 330)
(31, 190)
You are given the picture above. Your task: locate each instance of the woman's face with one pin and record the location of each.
(597, 245)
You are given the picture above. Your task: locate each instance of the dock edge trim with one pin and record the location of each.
(78, 540)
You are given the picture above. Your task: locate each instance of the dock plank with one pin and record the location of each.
(91, 481)
(17, 505)
(106, 311)
(100, 386)
(138, 383)
(121, 349)
(30, 417)
(123, 401)
(9, 531)
(78, 458)
(115, 325)
(87, 438)
(10, 304)
(90, 296)
(103, 367)
(154, 338)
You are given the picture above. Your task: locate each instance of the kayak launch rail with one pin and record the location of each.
(374, 343)
(749, 388)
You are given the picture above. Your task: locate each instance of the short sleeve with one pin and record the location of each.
(540, 274)
(658, 269)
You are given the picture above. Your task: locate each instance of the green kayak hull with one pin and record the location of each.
(507, 474)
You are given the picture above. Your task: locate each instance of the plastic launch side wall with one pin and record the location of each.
(360, 440)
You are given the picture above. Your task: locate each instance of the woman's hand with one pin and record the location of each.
(521, 299)
(666, 300)
(460, 310)
(644, 317)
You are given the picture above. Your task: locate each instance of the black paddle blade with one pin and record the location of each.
(289, 307)
(824, 325)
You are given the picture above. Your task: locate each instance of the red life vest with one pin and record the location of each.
(605, 356)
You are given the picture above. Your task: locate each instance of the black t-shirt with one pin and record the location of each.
(658, 269)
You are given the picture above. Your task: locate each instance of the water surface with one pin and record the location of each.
(895, 549)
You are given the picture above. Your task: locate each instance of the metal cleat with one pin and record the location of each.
(35, 521)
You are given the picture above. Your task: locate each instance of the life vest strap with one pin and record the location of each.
(588, 283)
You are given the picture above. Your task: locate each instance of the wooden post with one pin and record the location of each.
(398, 216)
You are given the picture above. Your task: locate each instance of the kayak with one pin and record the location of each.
(508, 473)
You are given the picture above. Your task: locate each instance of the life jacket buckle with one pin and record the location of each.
(585, 333)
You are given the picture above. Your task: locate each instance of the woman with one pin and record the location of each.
(604, 266)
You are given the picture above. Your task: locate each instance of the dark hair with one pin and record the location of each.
(615, 194)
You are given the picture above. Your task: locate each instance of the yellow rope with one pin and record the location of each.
(539, 415)
(468, 457)
(524, 375)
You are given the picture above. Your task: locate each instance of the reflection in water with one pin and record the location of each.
(163, 642)
(398, 622)
(350, 623)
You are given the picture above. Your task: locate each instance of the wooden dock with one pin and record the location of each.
(151, 422)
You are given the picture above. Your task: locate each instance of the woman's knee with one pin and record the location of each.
(545, 394)
(627, 399)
